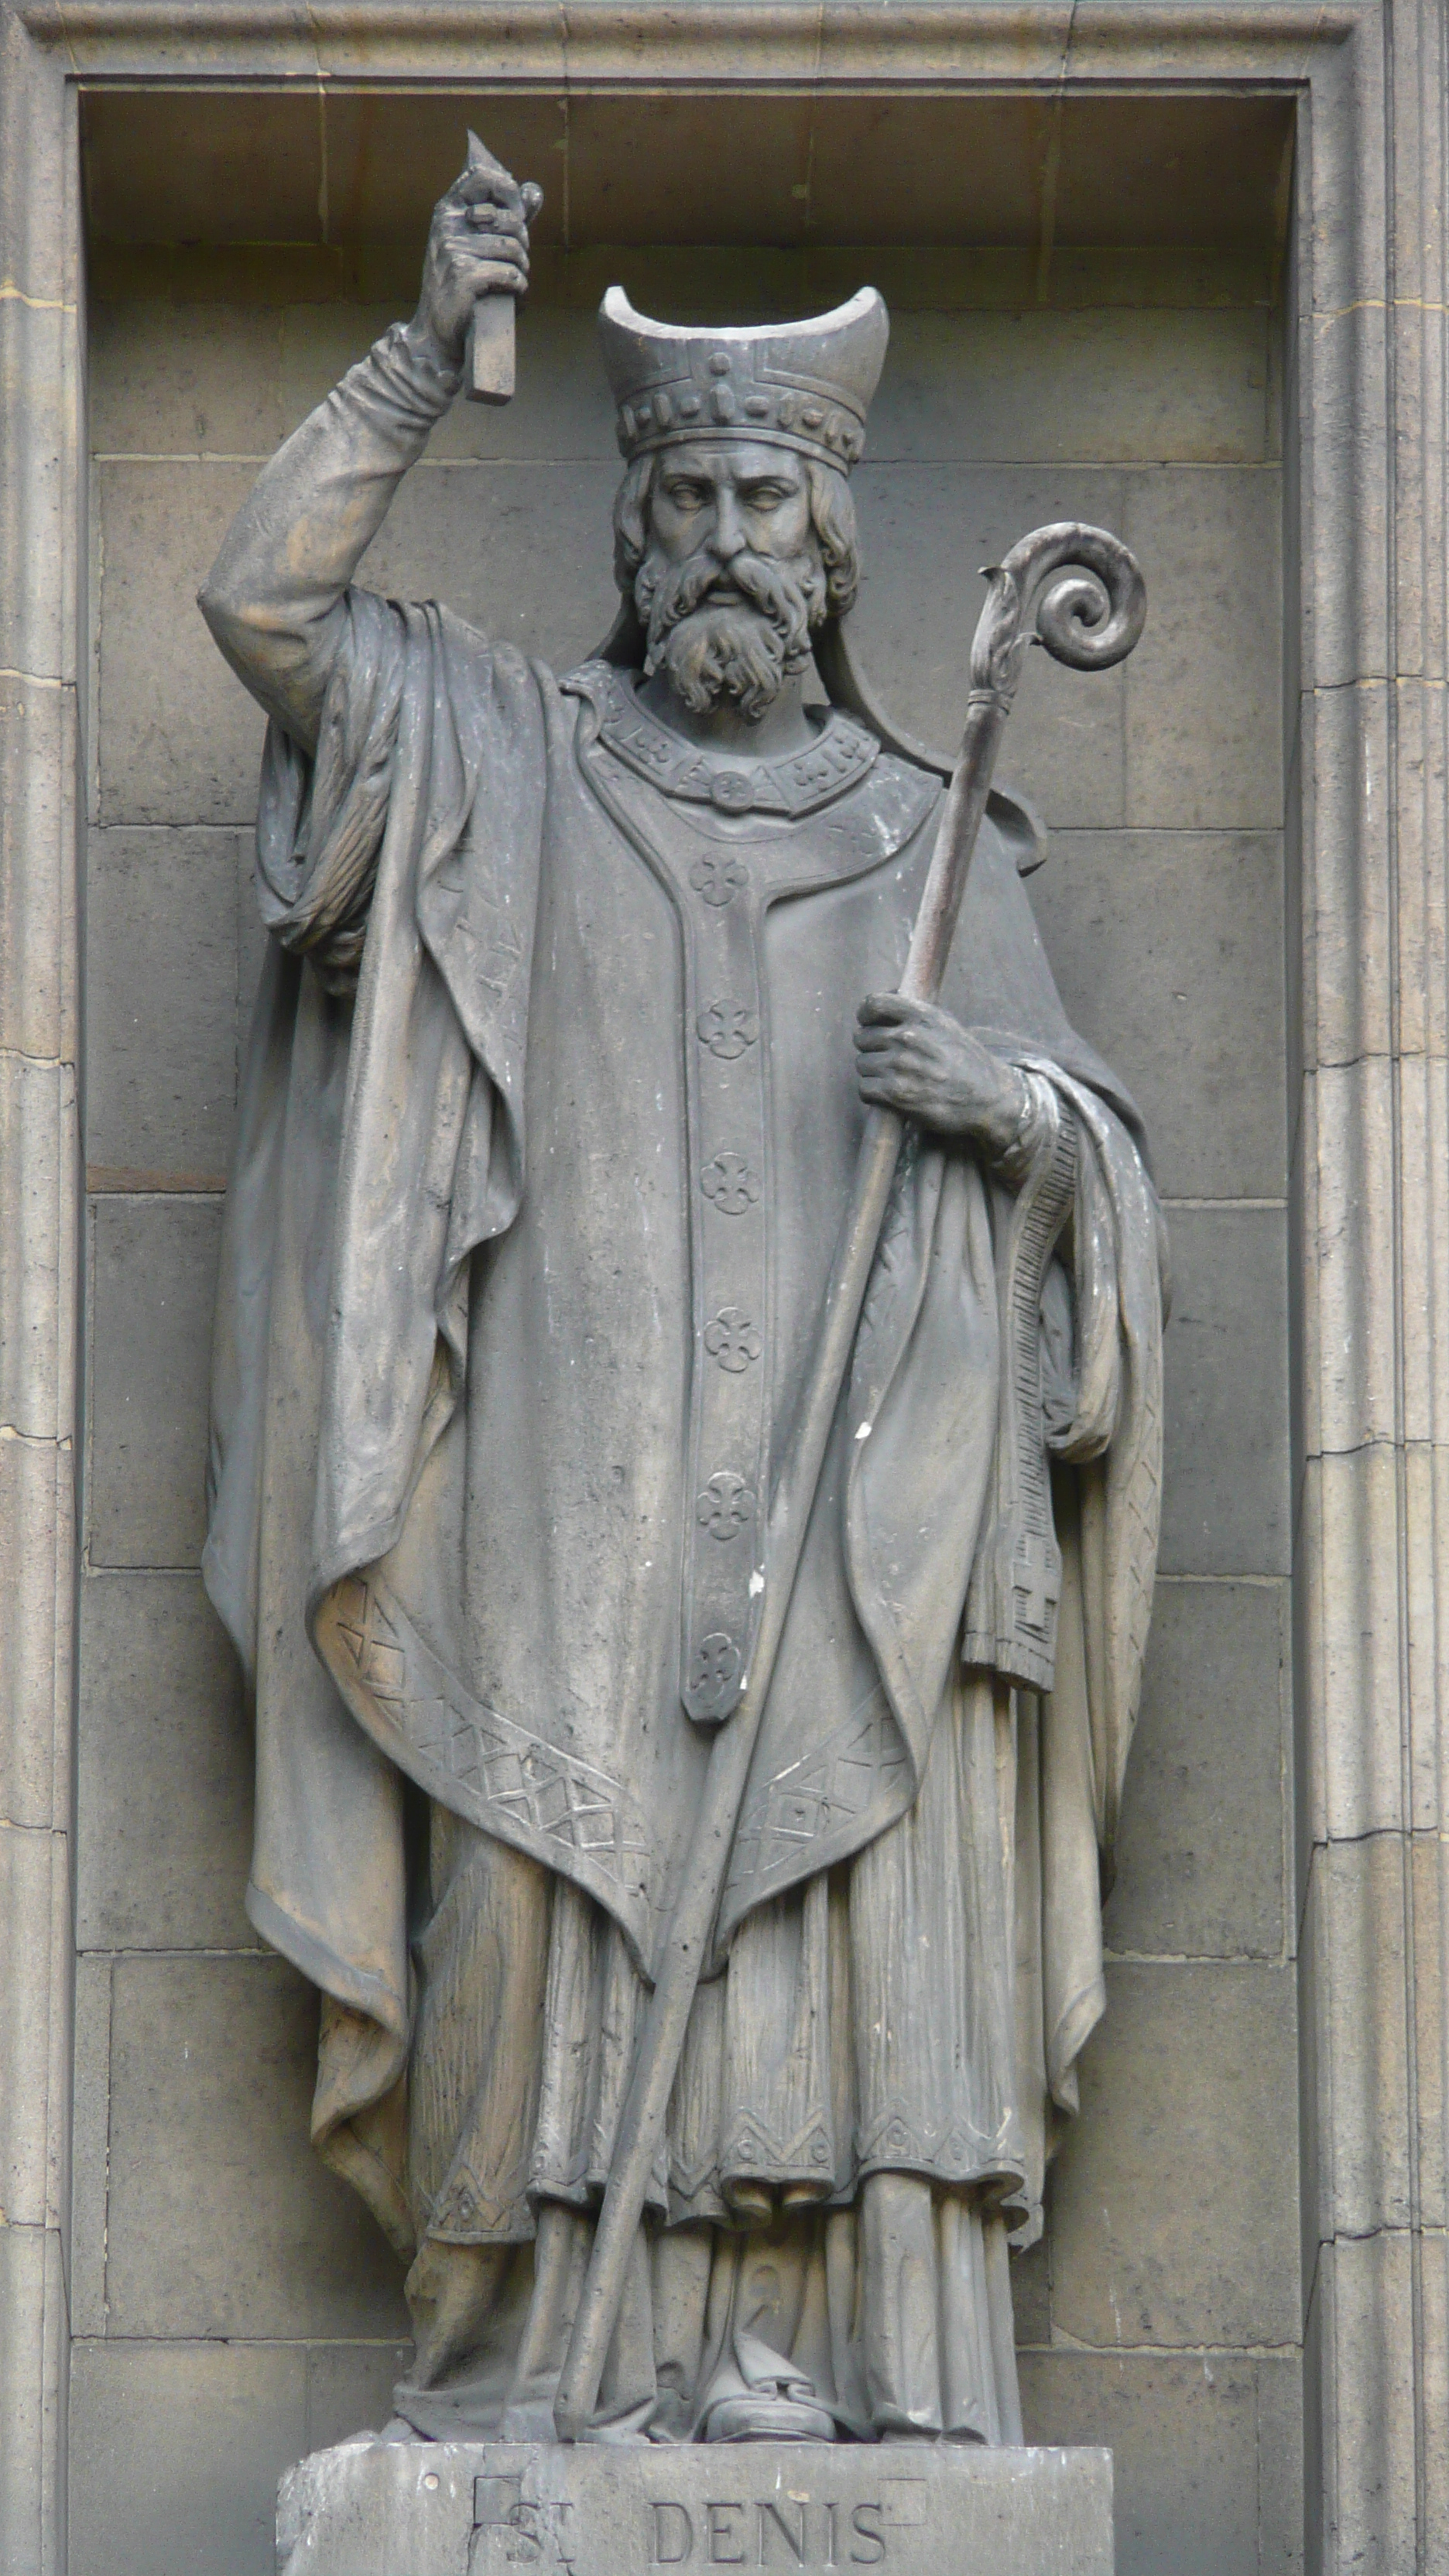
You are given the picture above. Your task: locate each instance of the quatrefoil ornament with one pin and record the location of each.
(732, 1339)
(727, 1029)
(718, 877)
(726, 1505)
(730, 1185)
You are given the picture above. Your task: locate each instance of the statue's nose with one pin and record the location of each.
(729, 536)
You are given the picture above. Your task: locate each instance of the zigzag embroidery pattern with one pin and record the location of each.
(494, 1772)
(819, 1798)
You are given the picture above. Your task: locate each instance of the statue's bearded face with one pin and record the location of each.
(732, 584)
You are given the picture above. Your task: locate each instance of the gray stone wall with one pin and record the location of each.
(223, 2286)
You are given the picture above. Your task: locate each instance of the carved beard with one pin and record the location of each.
(730, 649)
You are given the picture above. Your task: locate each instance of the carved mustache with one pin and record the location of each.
(790, 595)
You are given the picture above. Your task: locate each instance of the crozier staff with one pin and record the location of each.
(551, 1112)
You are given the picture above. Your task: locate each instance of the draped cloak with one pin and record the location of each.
(454, 1504)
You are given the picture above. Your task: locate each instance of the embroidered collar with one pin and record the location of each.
(798, 784)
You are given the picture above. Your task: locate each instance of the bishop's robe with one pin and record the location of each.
(548, 1121)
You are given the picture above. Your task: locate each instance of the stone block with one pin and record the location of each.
(1348, 585)
(1280, 2465)
(179, 738)
(349, 2389)
(163, 923)
(164, 1806)
(1423, 1159)
(34, 2029)
(685, 153)
(1168, 949)
(37, 867)
(1204, 685)
(90, 2145)
(1225, 1478)
(222, 2220)
(33, 2340)
(181, 379)
(40, 366)
(518, 549)
(1429, 1861)
(1369, 2363)
(38, 1188)
(465, 2509)
(1173, 2196)
(1200, 1854)
(1362, 2009)
(153, 1289)
(1351, 1290)
(925, 531)
(390, 157)
(175, 2453)
(1185, 2457)
(1350, 1763)
(966, 387)
(37, 1540)
(244, 148)
(1349, 927)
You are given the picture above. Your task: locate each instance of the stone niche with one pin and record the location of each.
(1087, 321)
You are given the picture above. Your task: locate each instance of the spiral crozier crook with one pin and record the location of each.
(1090, 617)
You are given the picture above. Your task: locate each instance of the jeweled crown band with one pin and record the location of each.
(666, 415)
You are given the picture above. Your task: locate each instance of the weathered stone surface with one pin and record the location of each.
(988, 386)
(176, 2449)
(165, 915)
(1186, 2455)
(456, 2509)
(90, 2145)
(179, 738)
(513, 546)
(1168, 948)
(1173, 2217)
(153, 1283)
(1369, 2361)
(35, 2032)
(1225, 1367)
(1348, 1647)
(349, 2389)
(209, 2058)
(37, 1538)
(165, 1770)
(38, 1146)
(33, 2355)
(1358, 1914)
(1203, 690)
(38, 962)
(1200, 1855)
(184, 379)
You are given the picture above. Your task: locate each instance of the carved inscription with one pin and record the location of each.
(766, 2531)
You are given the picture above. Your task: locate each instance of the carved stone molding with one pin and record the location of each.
(1365, 704)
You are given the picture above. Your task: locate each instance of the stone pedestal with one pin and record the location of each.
(372, 2508)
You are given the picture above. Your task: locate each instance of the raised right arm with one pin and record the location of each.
(274, 597)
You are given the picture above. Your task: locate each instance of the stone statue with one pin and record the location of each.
(579, 996)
